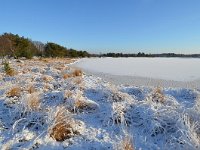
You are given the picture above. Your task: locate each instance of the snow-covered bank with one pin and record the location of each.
(176, 69)
(49, 105)
(143, 81)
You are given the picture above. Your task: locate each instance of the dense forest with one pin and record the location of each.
(16, 46)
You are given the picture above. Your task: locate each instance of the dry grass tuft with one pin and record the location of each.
(61, 131)
(66, 76)
(158, 95)
(47, 78)
(31, 89)
(16, 91)
(63, 126)
(33, 102)
(117, 96)
(125, 144)
(46, 87)
(61, 67)
(77, 73)
(24, 71)
(78, 81)
(11, 72)
(68, 94)
(81, 105)
(45, 60)
(57, 60)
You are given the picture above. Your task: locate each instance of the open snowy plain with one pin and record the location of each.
(48, 104)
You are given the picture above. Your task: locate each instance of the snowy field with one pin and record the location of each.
(176, 69)
(49, 105)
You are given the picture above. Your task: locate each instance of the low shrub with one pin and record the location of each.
(8, 70)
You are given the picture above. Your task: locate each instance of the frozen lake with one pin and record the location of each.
(173, 69)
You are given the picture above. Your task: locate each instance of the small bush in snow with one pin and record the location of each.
(8, 70)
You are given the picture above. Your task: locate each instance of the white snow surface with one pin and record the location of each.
(155, 119)
(177, 69)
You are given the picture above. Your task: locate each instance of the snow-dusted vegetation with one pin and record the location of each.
(46, 104)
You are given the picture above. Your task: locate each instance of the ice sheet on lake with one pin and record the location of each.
(177, 69)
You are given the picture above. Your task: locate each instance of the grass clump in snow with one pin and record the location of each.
(68, 94)
(66, 76)
(15, 91)
(33, 102)
(81, 104)
(63, 126)
(77, 73)
(31, 89)
(47, 78)
(158, 95)
(78, 81)
(125, 144)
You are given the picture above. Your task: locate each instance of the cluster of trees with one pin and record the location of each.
(16, 46)
(55, 50)
(123, 55)
(141, 54)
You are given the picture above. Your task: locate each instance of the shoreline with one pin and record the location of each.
(143, 81)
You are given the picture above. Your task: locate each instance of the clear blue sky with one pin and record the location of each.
(152, 26)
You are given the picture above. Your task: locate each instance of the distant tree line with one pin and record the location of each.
(16, 46)
(141, 54)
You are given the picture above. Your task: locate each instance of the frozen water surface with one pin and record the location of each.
(176, 69)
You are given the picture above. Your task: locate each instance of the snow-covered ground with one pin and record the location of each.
(177, 69)
(54, 110)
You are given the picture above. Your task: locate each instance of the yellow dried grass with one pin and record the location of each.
(15, 91)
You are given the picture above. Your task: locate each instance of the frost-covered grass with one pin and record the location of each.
(42, 109)
(177, 69)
